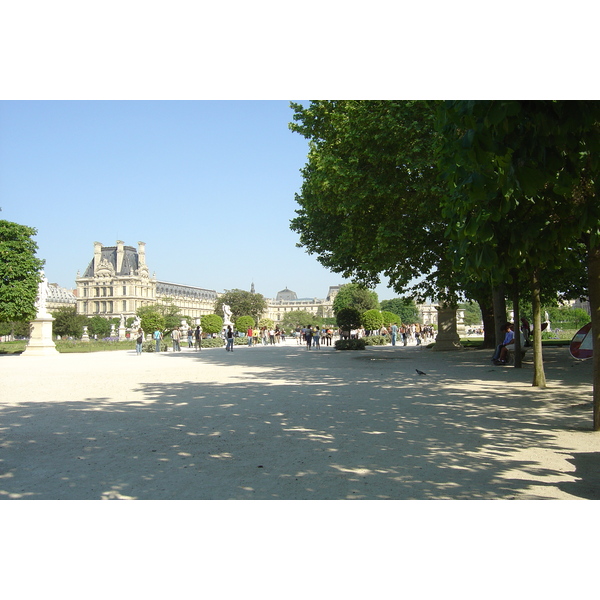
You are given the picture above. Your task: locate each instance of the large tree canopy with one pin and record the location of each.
(369, 202)
(242, 303)
(354, 295)
(523, 181)
(19, 272)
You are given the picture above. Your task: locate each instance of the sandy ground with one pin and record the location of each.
(285, 423)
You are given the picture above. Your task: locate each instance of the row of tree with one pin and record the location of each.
(475, 200)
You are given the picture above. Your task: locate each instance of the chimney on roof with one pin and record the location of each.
(97, 255)
(120, 255)
(142, 253)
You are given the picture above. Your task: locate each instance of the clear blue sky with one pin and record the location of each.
(208, 185)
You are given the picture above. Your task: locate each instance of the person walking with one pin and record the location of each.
(190, 337)
(394, 330)
(158, 336)
(317, 339)
(139, 341)
(175, 337)
(198, 338)
(308, 337)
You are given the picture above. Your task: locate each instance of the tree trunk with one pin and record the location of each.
(487, 316)
(539, 377)
(499, 303)
(517, 322)
(594, 292)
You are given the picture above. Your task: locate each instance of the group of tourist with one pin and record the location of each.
(406, 334)
(265, 336)
(312, 336)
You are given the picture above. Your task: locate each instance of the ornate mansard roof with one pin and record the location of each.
(166, 289)
(60, 295)
(108, 263)
(286, 295)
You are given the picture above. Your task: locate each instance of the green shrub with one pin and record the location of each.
(350, 344)
(389, 318)
(211, 324)
(372, 319)
(213, 342)
(243, 323)
(348, 319)
(376, 340)
(151, 346)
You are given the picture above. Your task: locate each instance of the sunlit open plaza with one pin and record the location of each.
(282, 422)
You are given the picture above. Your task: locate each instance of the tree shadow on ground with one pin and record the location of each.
(304, 425)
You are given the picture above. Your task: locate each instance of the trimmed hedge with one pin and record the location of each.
(376, 340)
(213, 342)
(350, 344)
(151, 346)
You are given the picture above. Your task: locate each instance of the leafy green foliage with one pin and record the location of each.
(243, 323)
(359, 344)
(165, 316)
(390, 318)
(404, 308)
(99, 326)
(15, 328)
(211, 324)
(268, 323)
(241, 303)
(376, 340)
(19, 272)
(67, 322)
(372, 319)
(151, 320)
(348, 319)
(370, 197)
(522, 180)
(472, 313)
(355, 295)
(299, 318)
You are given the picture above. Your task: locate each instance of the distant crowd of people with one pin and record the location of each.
(414, 333)
(312, 336)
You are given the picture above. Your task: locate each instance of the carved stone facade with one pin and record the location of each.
(117, 282)
(288, 301)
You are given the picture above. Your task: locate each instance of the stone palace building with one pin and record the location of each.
(117, 282)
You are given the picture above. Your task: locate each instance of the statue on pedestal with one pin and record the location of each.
(227, 315)
(43, 291)
(40, 338)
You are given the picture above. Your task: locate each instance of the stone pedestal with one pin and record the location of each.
(122, 333)
(85, 337)
(447, 335)
(40, 339)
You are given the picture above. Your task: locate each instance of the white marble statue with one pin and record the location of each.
(43, 291)
(227, 315)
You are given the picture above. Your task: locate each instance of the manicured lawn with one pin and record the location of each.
(70, 346)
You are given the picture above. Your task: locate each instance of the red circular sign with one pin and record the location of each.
(582, 343)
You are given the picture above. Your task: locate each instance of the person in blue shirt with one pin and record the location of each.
(499, 357)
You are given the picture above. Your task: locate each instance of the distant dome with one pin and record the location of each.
(286, 295)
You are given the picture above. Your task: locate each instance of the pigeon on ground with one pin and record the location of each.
(420, 372)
